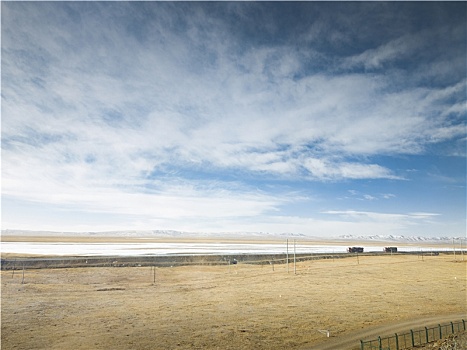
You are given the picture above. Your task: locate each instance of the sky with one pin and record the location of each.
(314, 118)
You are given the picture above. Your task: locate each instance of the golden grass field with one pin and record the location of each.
(224, 307)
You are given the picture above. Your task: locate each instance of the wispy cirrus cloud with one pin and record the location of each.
(102, 100)
(354, 194)
(380, 217)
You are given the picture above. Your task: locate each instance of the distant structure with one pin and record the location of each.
(355, 250)
(390, 249)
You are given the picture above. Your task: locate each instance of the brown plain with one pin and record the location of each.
(224, 307)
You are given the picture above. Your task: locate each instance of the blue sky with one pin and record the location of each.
(318, 118)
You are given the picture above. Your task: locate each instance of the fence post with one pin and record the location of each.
(380, 345)
(452, 327)
(411, 336)
(440, 332)
(463, 321)
(397, 342)
(426, 333)
(361, 345)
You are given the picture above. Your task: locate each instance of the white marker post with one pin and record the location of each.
(325, 331)
(287, 255)
(294, 259)
(454, 246)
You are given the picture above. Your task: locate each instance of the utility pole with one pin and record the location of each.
(454, 247)
(462, 251)
(294, 259)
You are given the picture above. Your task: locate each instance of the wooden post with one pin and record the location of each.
(22, 280)
(154, 279)
(287, 255)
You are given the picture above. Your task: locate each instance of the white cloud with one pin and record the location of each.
(398, 48)
(91, 111)
(369, 197)
(169, 201)
(220, 117)
(423, 215)
(325, 169)
(379, 217)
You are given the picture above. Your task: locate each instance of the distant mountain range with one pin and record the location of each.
(160, 234)
(233, 235)
(393, 238)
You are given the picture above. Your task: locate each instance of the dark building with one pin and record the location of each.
(355, 250)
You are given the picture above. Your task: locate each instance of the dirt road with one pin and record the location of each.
(351, 341)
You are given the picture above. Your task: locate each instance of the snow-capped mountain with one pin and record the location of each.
(231, 235)
(399, 238)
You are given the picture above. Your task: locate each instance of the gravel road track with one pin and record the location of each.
(352, 340)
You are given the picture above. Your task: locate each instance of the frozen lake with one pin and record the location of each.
(162, 248)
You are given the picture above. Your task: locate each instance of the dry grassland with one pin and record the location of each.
(220, 307)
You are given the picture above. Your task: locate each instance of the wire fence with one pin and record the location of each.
(413, 338)
(168, 260)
